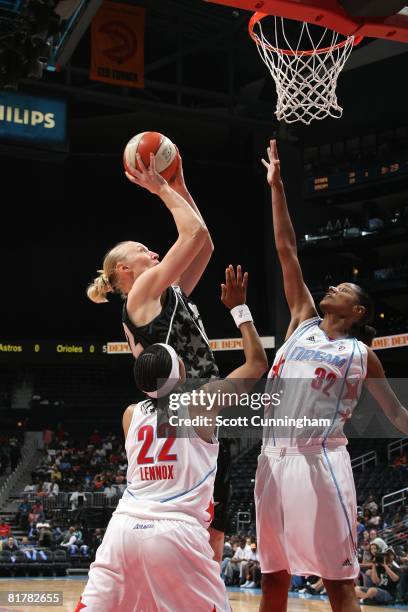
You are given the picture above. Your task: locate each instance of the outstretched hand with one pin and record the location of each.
(273, 166)
(148, 178)
(233, 292)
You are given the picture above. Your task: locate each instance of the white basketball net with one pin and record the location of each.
(305, 82)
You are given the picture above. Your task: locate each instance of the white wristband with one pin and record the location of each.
(241, 314)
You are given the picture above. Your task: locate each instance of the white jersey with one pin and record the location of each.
(168, 478)
(317, 383)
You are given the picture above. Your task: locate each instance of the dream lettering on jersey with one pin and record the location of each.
(300, 353)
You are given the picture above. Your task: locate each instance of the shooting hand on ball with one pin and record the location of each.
(273, 166)
(148, 178)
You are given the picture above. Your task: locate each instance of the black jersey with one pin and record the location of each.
(178, 324)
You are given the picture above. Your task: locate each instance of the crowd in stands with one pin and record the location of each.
(383, 575)
(240, 565)
(44, 535)
(47, 546)
(97, 464)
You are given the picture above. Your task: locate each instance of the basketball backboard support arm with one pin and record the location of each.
(375, 51)
(373, 8)
(328, 14)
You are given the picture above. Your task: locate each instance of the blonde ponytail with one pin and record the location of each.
(107, 281)
(98, 290)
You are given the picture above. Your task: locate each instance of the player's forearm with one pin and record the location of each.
(186, 195)
(253, 350)
(284, 232)
(401, 422)
(188, 222)
(399, 418)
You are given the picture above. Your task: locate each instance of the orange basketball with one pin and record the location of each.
(165, 153)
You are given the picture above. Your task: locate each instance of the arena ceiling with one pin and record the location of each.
(198, 58)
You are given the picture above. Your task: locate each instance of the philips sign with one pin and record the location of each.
(32, 120)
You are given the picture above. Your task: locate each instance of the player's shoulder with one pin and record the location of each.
(133, 411)
(363, 347)
(127, 418)
(314, 320)
(129, 411)
(307, 325)
(374, 366)
(145, 406)
(128, 414)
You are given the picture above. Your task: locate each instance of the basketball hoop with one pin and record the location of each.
(305, 80)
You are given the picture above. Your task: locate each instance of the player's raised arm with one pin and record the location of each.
(233, 296)
(380, 389)
(242, 379)
(297, 294)
(192, 234)
(190, 277)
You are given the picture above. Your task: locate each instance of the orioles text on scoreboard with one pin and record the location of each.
(62, 348)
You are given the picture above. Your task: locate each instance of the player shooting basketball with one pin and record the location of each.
(313, 471)
(155, 554)
(157, 307)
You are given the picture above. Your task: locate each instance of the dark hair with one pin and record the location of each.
(153, 364)
(361, 330)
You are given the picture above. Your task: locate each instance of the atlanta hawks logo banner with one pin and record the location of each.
(117, 55)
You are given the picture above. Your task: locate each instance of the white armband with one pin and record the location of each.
(241, 314)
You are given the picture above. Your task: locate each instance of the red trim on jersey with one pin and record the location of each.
(345, 415)
(277, 366)
(80, 605)
(210, 511)
(352, 389)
